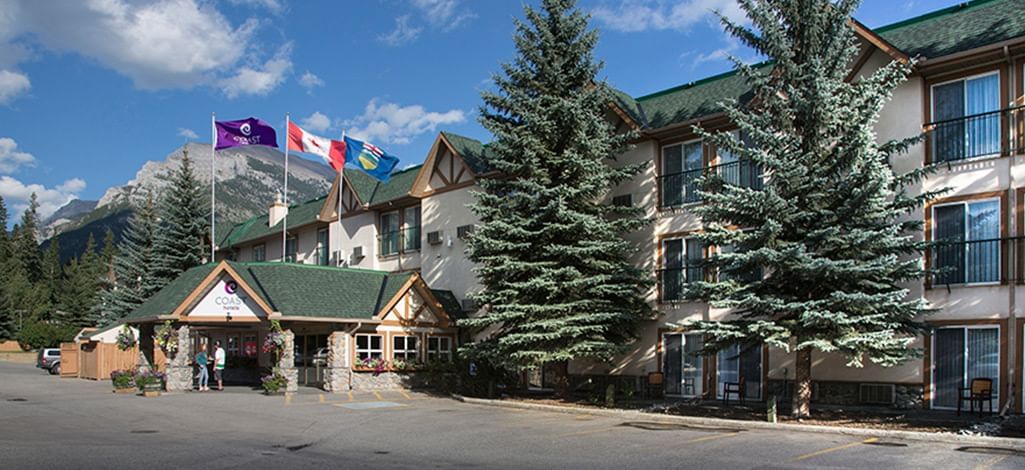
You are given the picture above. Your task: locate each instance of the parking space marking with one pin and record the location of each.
(322, 398)
(288, 399)
(350, 396)
(369, 405)
(834, 449)
(587, 431)
(991, 462)
(378, 395)
(712, 437)
(405, 395)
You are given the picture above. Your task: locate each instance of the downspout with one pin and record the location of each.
(1011, 245)
(354, 329)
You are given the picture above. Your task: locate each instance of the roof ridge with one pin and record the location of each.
(310, 266)
(933, 14)
(702, 81)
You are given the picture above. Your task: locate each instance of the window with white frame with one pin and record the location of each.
(439, 348)
(369, 347)
(681, 168)
(966, 118)
(967, 236)
(404, 347)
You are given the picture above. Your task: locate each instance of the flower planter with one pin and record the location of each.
(152, 390)
(151, 393)
(124, 390)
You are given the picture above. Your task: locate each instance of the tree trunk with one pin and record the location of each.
(802, 384)
(561, 385)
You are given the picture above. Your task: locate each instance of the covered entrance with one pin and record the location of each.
(244, 359)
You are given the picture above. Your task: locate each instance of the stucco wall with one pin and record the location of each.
(445, 265)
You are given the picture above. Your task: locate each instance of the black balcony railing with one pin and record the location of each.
(673, 281)
(977, 135)
(682, 188)
(967, 262)
(390, 243)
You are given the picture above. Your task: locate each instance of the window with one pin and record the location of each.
(389, 233)
(682, 263)
(249, 345)
(681, 167)
(323, 247)
(368, 347)
(291, 247)
(625, 200)
(741, 361)
(966, 118)
(960, 355)
(741, 274)
(735, 170)
(404, 347)
(233, 346)
(260, 252)
(411, 229)
(681, 366)
(439, 348)
(968, 242)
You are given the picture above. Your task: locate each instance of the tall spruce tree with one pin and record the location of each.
(81, 288)
(133, 267)
(183, 209)
(549, 251)
(828, 246)
(8, 318)
(106, 279)
(26, 241)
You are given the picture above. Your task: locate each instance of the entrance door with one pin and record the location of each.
(962, 354)
(682, 366)
(736, 362)
(310, 358)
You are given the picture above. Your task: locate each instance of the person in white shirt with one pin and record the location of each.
(219, 365)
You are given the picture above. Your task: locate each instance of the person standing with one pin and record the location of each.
(202, 361)
(219, 365)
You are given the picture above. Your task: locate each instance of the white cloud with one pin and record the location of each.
(187, 133)
(273, 6)
(12, 84)
(11, 159)
(309, 81)
(402, 34)
(261, 79)
(443, 14)
(393, 124)
(17, 194)
(647, 15)
(316, 122)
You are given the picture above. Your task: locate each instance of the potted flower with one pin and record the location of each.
(125, 338)
(123, 380)
(151, 382)
(403, 365)
(274, 383)
(375, 364)
(166, 337)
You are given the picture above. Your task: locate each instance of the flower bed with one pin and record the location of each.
(274, 383)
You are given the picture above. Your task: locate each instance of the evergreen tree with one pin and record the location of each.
(106, 280)
(181, 241)
(52, 272)
(133, 267)
(827, 246)
(79, 293)
(26, 241)
(8, 318)
(549, 251)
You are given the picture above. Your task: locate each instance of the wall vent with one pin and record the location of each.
(434, 238)
(464, 231)
(357, 254)
(876, 394)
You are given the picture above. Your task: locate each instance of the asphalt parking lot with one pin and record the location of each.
(52, 423)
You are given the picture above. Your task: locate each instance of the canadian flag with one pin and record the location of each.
(332, 151)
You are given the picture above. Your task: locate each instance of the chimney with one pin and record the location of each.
(277, 211)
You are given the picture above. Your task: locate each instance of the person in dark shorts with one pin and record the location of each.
(219, 365)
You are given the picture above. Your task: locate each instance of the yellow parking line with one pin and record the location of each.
(288, 399)
(587, 431)
(834, 449)
(378, 395)
(322, 398)
(405, 395)
(991, 462)
(709, 438)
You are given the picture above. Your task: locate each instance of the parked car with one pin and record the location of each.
(49, 359)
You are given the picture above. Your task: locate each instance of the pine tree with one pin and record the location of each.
(26, 242)
(133, 266)
(826, 248)
(8, 318)
(81, 288)
(52, 272)
(106, 279)
(549, 251)
(181, 241)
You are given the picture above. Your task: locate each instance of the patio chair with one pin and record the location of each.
(655, 384)
(736, 388)
(981, 390)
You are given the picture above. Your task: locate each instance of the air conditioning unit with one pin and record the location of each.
(340, 258)
(434, 238)
(464, 231)
(876, 394)
(469, 305)
(357, 254)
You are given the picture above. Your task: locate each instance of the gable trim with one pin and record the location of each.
(417, 283)
(876, 40)
(420, 190)
(204, 286)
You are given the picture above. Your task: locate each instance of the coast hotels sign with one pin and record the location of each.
(226, 301)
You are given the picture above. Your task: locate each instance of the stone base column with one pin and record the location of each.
(287, 363)
(179, 371)
(337, 375)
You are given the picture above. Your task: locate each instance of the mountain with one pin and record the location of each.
(248, 180)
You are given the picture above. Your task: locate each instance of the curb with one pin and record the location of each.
(945, 438)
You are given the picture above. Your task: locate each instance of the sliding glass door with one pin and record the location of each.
(740, 361)
(681, 365)
(961, 354)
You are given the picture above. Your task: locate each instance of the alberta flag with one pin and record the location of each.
(370, 158)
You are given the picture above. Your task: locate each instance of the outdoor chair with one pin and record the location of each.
(981, 390)
(688, 386)
(655, 384)
(736, 388)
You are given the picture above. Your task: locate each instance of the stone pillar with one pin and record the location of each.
(287, 363)
(145, 344)
(339, 368)
(179, 371)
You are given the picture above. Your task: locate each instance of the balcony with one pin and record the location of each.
(678, 189)
(978, 135)
(968, 262)
(673, 281)
(405, 240)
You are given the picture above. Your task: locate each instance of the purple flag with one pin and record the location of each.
(249, 131)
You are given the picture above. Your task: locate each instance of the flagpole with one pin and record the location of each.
(341, 184)
(213, 188)
(284, 220)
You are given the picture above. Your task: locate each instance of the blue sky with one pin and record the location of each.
(92, 89)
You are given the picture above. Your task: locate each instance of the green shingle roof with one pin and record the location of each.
(300, 290)
(472, 151)
(943, 32)
(373, 192)
(257, 227)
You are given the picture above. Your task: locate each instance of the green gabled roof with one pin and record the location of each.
(942, 32)
(297, 290)
(629, 106)
(372, 192)
(257, 226)
(958, 28)
(450, 303)
(472, 151)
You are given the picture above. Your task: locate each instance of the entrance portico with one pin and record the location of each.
(345, 329)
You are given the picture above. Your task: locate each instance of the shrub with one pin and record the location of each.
(122, 379)
(41, 334)
(274, 382)
(149, 378)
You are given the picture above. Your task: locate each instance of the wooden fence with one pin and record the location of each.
(96, 360)
(69, 359)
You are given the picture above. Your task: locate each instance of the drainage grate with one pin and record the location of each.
(297, 447)
(991, 450)
(886, 444)
(16, 399)
(656, 426)
(144, 431)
